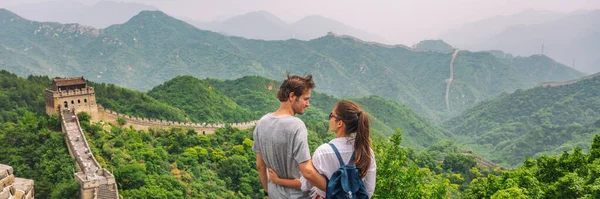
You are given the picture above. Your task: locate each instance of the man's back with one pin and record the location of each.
(282, 143)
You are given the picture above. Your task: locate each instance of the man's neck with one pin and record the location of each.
(285, 109)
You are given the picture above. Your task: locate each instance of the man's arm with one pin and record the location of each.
(311, 174)
(262, 171)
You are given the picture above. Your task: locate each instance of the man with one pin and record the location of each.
(281, 143)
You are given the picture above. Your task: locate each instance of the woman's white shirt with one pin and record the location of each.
(326, 162)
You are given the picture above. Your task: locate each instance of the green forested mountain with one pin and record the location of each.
(542, 120)
(135, 103)
(186, 98)
(18, 95)
(417, 131)
(170, 163)
(153, 47)
(256, 93)
(199, 100)
(179, 163)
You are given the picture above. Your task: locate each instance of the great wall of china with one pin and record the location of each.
(449, 80)
(140, 123)
(553, 84)
(69, 96)
(95, 181)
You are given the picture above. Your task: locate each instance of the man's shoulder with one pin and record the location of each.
(264, 117)
(297, 123)
(296, 120)
(287, 119)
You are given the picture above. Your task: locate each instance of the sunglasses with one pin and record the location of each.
(331, 115)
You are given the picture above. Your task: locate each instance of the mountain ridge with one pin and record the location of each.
(153, 47)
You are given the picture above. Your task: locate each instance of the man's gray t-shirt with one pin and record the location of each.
(283, 144)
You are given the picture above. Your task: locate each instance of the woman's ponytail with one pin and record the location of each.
(357, 121)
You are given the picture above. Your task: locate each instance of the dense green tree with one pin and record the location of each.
(459, 163)
(38, 153)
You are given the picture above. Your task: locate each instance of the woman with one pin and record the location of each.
(351, 126)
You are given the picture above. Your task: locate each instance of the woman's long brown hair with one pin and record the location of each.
(357, 121)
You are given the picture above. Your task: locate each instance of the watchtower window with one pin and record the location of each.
(66, 104)
(79, 101)
(72, 102)
(84, 100)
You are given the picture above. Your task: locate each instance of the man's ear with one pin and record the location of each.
(292, 97)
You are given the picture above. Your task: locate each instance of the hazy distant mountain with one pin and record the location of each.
(100, 15)
(574, 37)
(315, 26)
(264, 25)
(255, 25)
(471, 34)
(153, 47)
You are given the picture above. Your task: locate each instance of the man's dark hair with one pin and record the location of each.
(296, 84)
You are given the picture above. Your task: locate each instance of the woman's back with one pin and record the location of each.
(326, 162)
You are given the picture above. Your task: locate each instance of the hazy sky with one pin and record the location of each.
(399, 21)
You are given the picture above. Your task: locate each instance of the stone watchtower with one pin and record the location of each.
(72, 94)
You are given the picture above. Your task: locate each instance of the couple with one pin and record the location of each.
(281, 145)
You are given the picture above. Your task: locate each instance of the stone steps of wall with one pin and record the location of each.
(12, 187)
(81, 152)
(6, 192)
(7, 180)
(5, 172)
(91, 172)
(107, 192)
(23, 188)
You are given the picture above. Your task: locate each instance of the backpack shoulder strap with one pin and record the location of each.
(337, 153)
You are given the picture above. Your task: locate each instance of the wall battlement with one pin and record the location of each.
(141, 123)
(72, 92)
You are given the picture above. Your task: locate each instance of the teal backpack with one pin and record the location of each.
(345, 181)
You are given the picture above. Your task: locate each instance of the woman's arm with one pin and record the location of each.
(291, 183)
